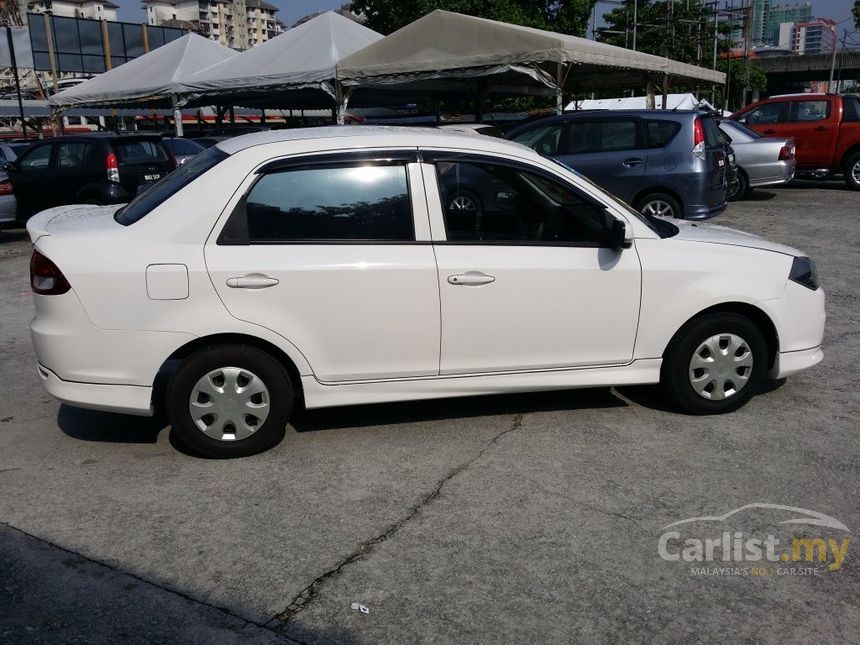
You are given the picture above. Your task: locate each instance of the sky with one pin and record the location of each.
(292, 10)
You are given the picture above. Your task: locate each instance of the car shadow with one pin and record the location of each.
(12, 235)
(825, 184)
(758, 195)
(455, 408)
(91, 425)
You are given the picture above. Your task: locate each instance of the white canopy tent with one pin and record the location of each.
(687, 101)
(152, 80)
(294, 69)
(450, 50)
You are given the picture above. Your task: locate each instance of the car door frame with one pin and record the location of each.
(429, 156)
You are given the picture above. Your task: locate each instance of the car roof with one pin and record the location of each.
(408, 137)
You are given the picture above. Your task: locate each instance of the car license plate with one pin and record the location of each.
(151, 177)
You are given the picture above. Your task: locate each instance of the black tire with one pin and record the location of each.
(742, 188)
(651, 199)
(675, 378)
(245, 357)
(851, 172)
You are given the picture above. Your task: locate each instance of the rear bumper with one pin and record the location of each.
(125, 399)
(703, 211)
(790, 363)
(8, 209)
(770, 174)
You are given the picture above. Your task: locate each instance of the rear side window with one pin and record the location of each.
(851, 108)
(543, 139)
(602, 136)
(72, 154)
(139, 151)
(354, 202)
(169, 186)
(659, 133)
(809, 111)
(37, 158)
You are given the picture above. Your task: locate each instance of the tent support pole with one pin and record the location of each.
(480, 93)
(665, 90)
(649, 95)
(559, 89)
(341, 100)
(177, 117)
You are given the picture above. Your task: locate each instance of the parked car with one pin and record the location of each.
(96, 168)
(182, 149)
(8, 203)
(209, 141)
(9, 151)
(321, 263)
(668, 163)
(762, 161)
(825, 128)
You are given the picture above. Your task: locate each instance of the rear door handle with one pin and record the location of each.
(633, 161)
(470, 279)
(252, 282)
(820, 128)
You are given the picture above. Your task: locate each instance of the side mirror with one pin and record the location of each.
(742, 120)
(617, 235)
(9, 166)
(507, 200)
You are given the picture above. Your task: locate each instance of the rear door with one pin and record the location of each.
(334, 254)
(31, 179)
(70, 168)
(141, 161)
(814, 124)
(609, 151)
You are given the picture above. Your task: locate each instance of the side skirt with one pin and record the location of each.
(317, 395)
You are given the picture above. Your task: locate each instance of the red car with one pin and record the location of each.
(825, 127)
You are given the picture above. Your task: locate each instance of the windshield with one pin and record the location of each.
(660, 226)
(169, 186)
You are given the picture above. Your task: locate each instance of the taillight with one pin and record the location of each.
(6, 187)
(699, 140)
(45, 278)
(785, 153)
(112, 167)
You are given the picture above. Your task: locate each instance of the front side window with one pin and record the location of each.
(810, 110)
(350, 202)
(498, 203)
(766, 114)
(37, 159)
(602, 136)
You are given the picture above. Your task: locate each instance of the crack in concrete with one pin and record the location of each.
(142, 580)
(306, 596)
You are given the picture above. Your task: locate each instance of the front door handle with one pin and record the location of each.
(470, 279)
(821, 128)
(252, 281)
(633, 161)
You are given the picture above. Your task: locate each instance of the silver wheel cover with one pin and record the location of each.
(855, 172)
(658, 208)
(721, 367)
(229, 404)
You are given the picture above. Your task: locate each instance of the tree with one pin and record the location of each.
(564, 16)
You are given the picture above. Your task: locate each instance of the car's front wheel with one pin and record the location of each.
(715, 364)
(659, 205)
(740, 188)
(229, 401)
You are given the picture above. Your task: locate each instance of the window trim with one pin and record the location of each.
(432, 156)
(235, 230)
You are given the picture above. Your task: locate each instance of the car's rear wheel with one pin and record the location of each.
(741, 187)
(852, 172)
(229, 401)
(659, 205)
(715, 364)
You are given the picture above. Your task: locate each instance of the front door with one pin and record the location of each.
(329, 259)
(31, 179)
(525, 282)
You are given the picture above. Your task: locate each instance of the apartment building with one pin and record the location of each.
(813, 37)
(239, 24)
(93, 9)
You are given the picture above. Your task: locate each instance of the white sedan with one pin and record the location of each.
(321, 264)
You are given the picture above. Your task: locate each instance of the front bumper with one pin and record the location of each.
(790, 363)
(124, 399)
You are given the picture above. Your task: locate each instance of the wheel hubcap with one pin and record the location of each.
(462, 203)
(229, 404)
(721, 367)
(855, 172)
(658, 208)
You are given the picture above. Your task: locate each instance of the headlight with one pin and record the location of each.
(803, 272)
